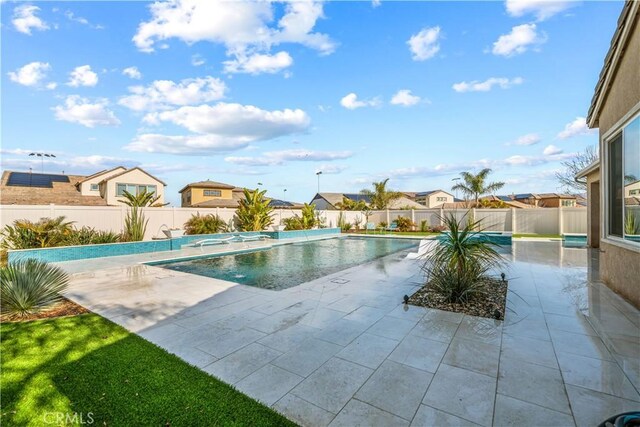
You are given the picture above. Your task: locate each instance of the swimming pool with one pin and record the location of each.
(289, 265)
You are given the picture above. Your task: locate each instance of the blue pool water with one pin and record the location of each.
(289, 265)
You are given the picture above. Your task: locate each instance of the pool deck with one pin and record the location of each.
(342, 350)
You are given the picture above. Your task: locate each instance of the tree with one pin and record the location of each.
(475, 185)
(380, 196)
(567, 177)
(135, 223)
(351, 205)
(254, 212)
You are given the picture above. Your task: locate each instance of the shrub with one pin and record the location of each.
(205, 224)
(437, 228)
(105, 237)
(424, 226)
(342, 222)
(309, 219)
(404, 223)
(27, 287)
(254, 212)
(90, 236)
(45, 233)
(631, 224)
(459, 264)
(293, 223)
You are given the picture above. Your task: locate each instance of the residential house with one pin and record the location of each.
(332, 201)
(212, 194)
(614, 212)
(433, 198)
(100, 189)
(503, 201)
(547, 200)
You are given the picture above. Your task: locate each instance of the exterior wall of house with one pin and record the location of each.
(620, 263)
(197, 194)
(85, 187)
(431, 200)
(593, 209)
(555, 202)
(134, 176)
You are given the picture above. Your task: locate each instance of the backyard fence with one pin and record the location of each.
(535, 221)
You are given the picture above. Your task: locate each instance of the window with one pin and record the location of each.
(212, 193)
(568, 203)
(95, 187)
(134, 189)
(623, 175)
(441, 199)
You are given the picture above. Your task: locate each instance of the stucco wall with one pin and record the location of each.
(593, 209)
(620, 270)
(133, 176)
(625, 87)
(85, 187)
(197, 195)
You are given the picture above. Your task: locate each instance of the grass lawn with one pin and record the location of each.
(539, 236)
(87, 366)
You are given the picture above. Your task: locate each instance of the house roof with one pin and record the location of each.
(60, 193)
(405, 202)
(525, 196)
(555, 196)
(507, 201)
(130, 170)
(626, 22)
(427, 193)
(102, 172)
(211, 184)
(334, 198)
(594, 166)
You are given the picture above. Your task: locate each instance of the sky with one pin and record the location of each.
(267, 94)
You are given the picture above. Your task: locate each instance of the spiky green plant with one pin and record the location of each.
(631, 224)
(135, 223)
(404, 223)
(30, 286)
(45, 233)
(424, 225)
(205, 224)
(459, 264)
(293, 223)
(343, 223)
(351, 205)
(309, 216)
(254, 212)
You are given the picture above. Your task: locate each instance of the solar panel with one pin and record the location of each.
(41, 180)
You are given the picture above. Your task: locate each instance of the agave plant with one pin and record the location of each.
(135, 223)
(254, 212)
(205, 224)
(27, 287)
(631, 224)
(459, 264)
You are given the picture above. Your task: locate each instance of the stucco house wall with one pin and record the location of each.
(133, 176)
(85, 187)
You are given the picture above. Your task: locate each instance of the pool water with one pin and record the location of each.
(289, 265)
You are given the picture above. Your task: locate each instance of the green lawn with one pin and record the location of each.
(90, 367)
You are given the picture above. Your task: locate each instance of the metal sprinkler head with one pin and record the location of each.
(503, 276)
(406, 299)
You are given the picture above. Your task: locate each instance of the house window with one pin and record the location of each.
(441, 199)
(134, 189)
(567, 203)
(95, 187)
(623, 176)
(212, 193)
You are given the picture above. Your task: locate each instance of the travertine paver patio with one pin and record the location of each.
(343, 350)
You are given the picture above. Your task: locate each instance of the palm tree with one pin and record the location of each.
(351, 205)
(475, 185)
(380, 196)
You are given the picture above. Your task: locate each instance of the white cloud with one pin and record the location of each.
(82, 76)
(551, 150)
(80, 20)
(226, 119)
(528, 139)
(162, 94)
(541, 9)
(132, 73)
(82, 111)
(258, 63)
(244, 28)
(576, 128)
(51, 85)
(25, 19)
(331, 169)
(351, 102)
(273, 158)
(97, 161)
(31, 75)
(405, 98)
(186, 144)
(487, 85)
(424, 45)
(197, 60)
(518, 41)
(376, 3)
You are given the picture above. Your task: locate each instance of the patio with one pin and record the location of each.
(342, 350)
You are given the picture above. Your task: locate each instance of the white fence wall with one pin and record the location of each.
(535, 221)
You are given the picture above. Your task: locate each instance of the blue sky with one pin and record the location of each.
(274, 92)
